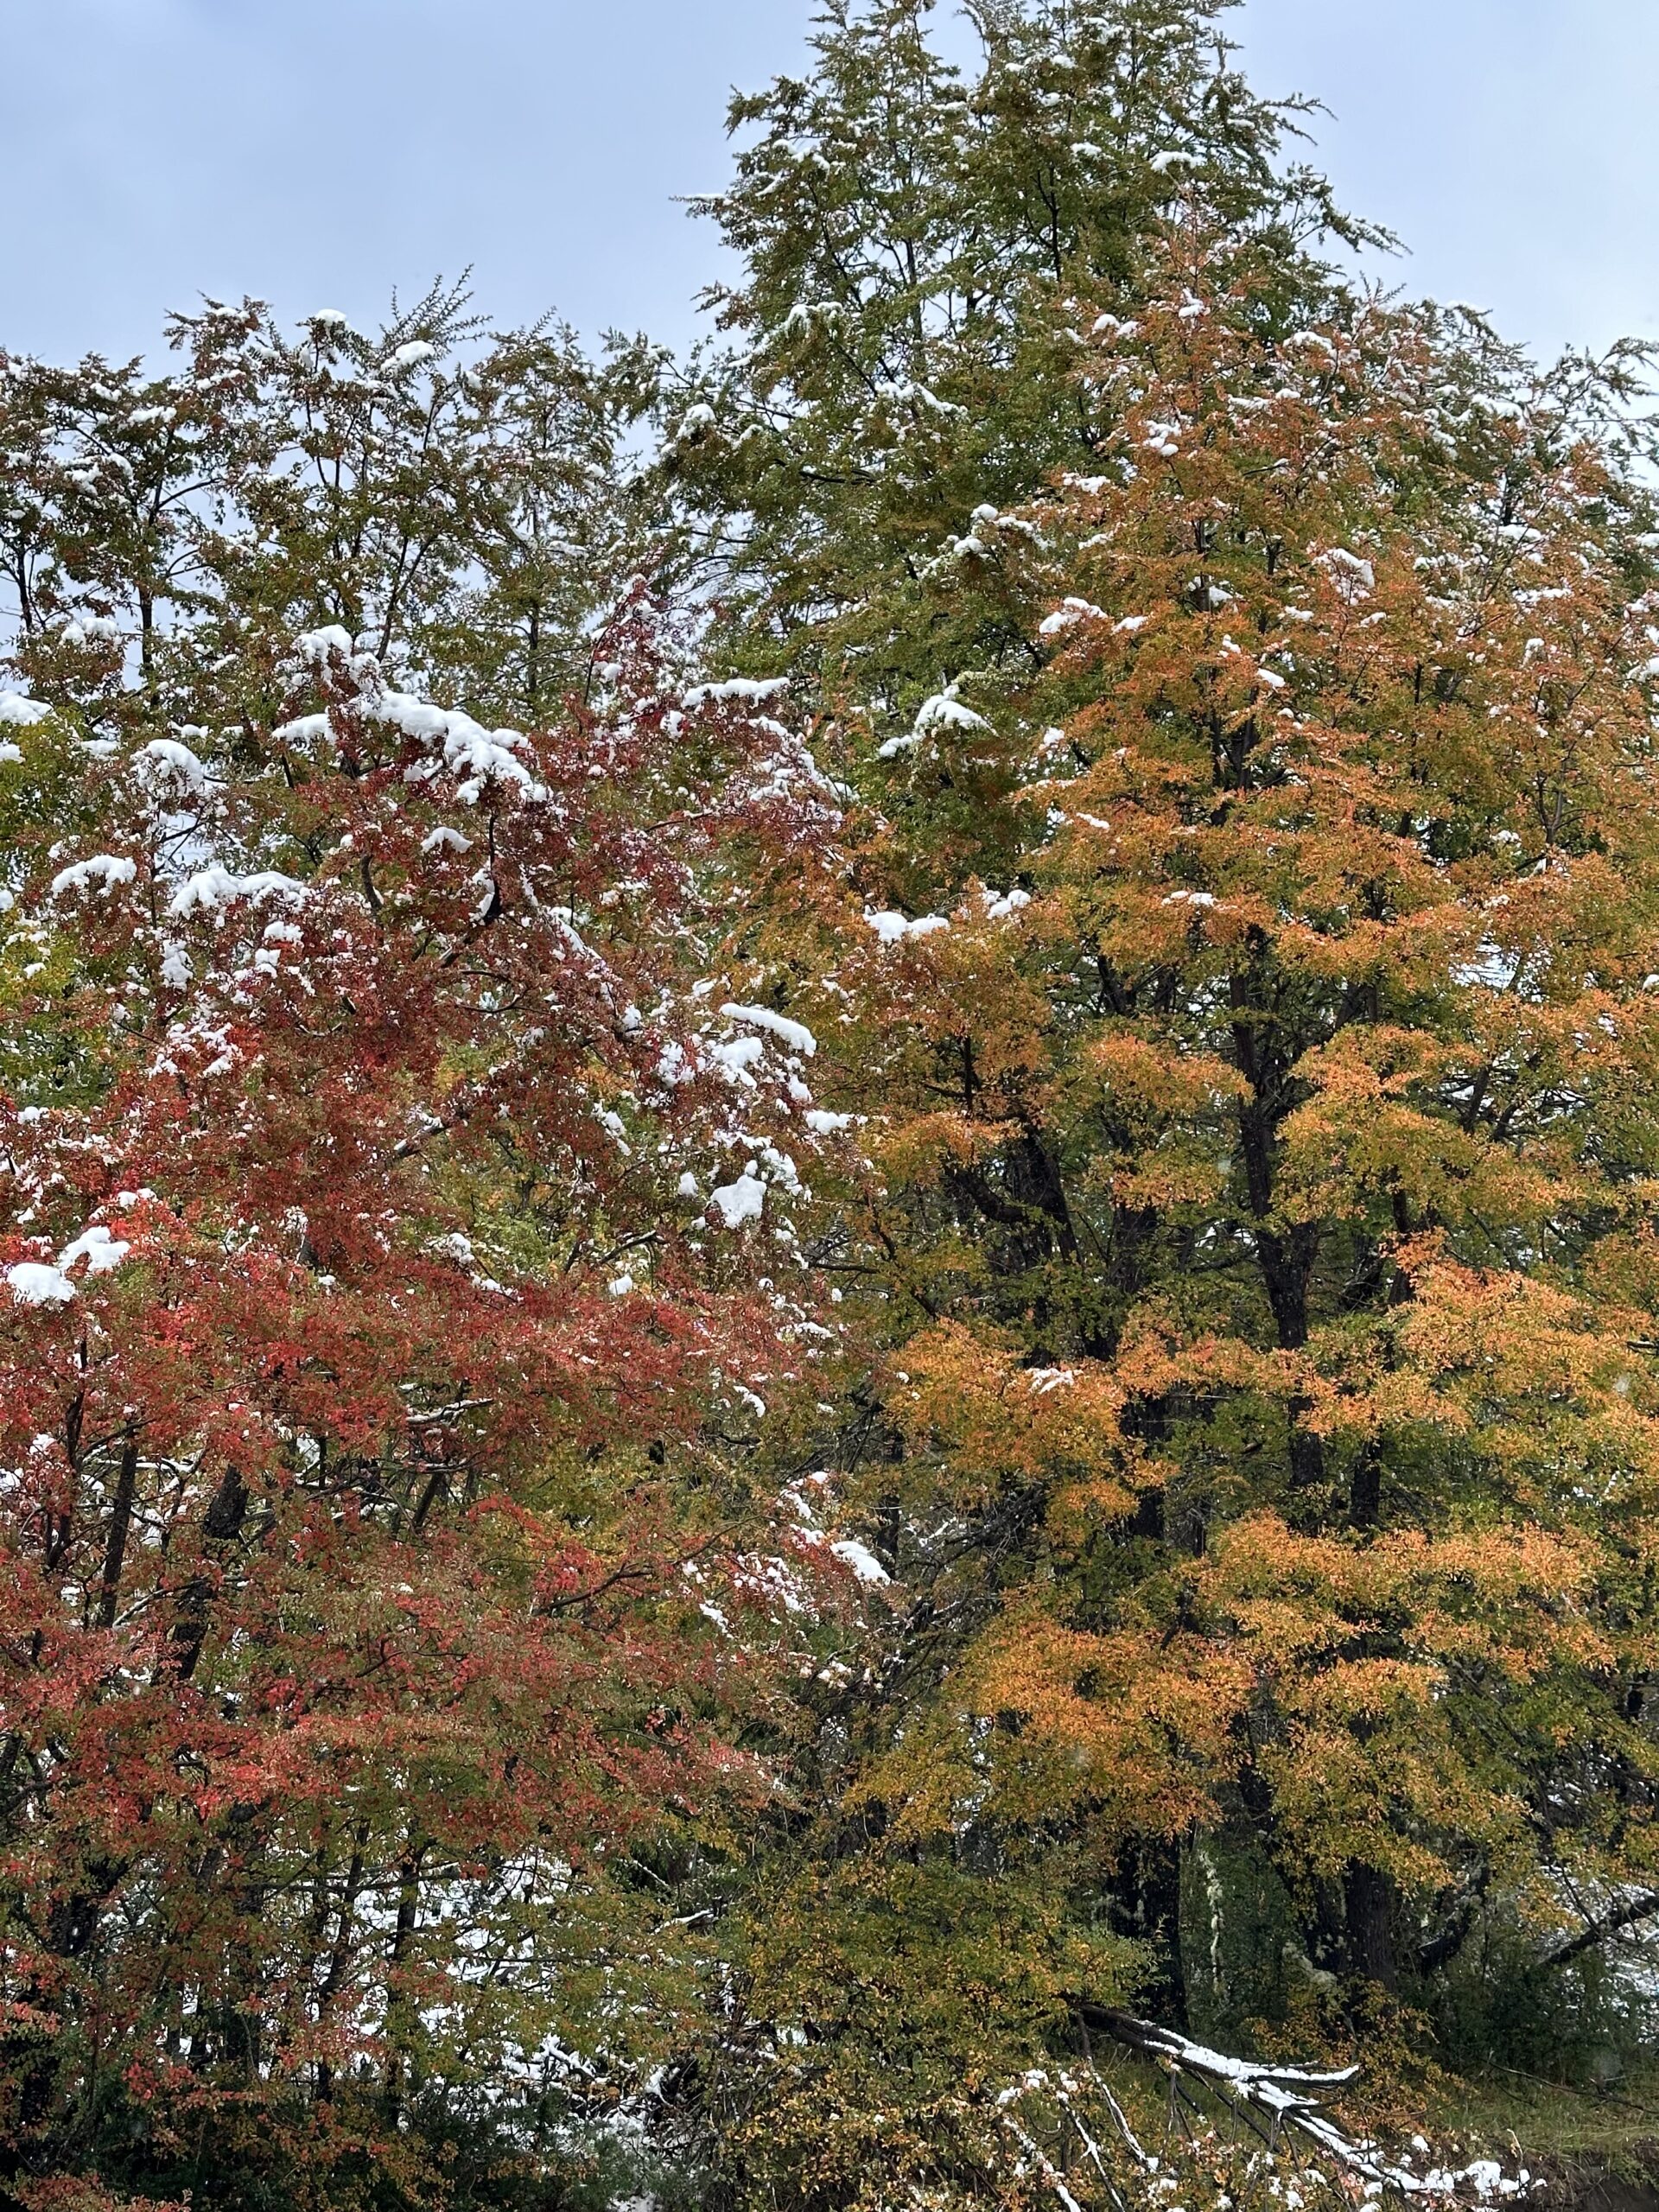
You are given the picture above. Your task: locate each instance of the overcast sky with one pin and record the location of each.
(319, 152)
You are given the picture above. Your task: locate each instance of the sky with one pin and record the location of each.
(321, 153)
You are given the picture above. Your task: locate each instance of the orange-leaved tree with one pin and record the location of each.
(1255, 1198)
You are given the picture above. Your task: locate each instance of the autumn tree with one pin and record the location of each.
(763, 1474)
(1252, 1191)
(377, 1160)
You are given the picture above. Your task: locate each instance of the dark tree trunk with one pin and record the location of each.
(1367, 1897)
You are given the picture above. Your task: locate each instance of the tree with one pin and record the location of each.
(786, 1488)
(458, 502)
(1253, 1195)
(911, 239)
(365, 1365)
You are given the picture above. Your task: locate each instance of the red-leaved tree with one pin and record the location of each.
(366, 1332)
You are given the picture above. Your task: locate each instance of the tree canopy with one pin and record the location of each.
(828, 1287)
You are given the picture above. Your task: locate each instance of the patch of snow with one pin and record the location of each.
(793, 1033)
(1354, 577)
(863, 1562)
(744, 1200)
(167, 753)
(215, 887)
(103, 870)
(946, 711)
(738, 1057)
(1069, 611)
(102, 1252)
(737, 687)
(892, 928)
(998, 909)
(33, 1283)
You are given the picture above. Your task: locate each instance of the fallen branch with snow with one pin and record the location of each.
(1273, 2101)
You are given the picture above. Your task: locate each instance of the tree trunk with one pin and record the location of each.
(1367, 1897)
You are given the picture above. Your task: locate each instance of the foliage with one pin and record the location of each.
(918, 1469)
(459, 503)
(911, 237)
(1252, 1196)
(362, 1368)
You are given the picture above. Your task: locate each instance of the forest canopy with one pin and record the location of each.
(830, 1206)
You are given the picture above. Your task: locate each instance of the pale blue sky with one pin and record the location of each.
(320, 151)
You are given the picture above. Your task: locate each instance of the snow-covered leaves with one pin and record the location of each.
(341, 1258)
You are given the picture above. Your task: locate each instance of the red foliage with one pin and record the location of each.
(345, 1518)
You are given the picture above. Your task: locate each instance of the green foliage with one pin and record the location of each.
(459, 502)
(882, 2000)
(914, 245)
